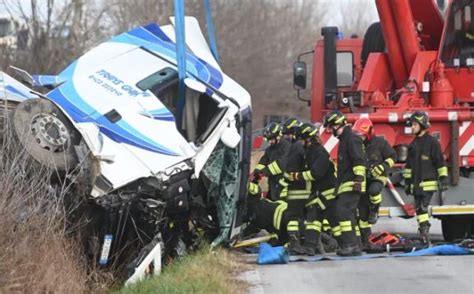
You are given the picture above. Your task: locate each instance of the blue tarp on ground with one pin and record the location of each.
(272, 255)
(278, 255)
(447, 249)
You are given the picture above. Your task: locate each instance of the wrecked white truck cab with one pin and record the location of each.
(179, 166)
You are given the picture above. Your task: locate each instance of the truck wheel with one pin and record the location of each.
(373, 42)
(456, 227)
(46, 134)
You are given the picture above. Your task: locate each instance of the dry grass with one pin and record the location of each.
(206, 271)
(39, 254)
(36, 255)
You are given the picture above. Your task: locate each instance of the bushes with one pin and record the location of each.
(36, 255)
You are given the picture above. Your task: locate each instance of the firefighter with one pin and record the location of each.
(294, 192)
(350, 182)
(425, 170)
(289, 130)
(265, 214)
(273, 162)
(381, 157)
(319, 172)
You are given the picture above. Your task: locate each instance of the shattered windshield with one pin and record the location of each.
(222, 170)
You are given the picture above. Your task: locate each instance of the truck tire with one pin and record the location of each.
(46, 134)
(456, 227)
(373, 42)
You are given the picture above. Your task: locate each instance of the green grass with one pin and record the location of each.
(205, 271)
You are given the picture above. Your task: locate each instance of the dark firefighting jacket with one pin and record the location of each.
(264, 213)
(320, 171)
(378, 152)
(294, 190)
(273, 164)
(425, 164)
(351, 162)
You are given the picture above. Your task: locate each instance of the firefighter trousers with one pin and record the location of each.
(372, 198)
(273, 216)
(346, 213)
(315, 215)
(363, 212)
(422, 201)
(295, 214)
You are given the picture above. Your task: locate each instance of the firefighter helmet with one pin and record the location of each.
(272, 131)
(364, 127)
(308, 130)
(290, 126)
(334, 118)
(420, 117)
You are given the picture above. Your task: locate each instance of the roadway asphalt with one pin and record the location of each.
(430, 274)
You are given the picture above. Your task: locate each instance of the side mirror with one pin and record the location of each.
(23, 75)
(299, 75)
(230, 137)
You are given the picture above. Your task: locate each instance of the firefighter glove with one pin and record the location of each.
(255, 178)
(357, 187)
(257, 172)
(377, 170)
(443, 183)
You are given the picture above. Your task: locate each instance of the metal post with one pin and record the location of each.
(180, 58)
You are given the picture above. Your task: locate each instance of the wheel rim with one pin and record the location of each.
(50, 133)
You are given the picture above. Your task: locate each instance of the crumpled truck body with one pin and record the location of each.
(122, 98)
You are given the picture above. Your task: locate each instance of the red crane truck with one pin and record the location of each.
(413, 59)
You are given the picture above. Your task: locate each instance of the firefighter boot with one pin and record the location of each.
(424, 230)
(312, 249)
(312, 244)
(373, 214)
(349, 250)
(294, 246)
(329, 243)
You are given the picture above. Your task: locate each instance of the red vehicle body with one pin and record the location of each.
(426, 63)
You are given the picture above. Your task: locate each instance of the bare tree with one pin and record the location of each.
(258, 40)
(123, 14)
(57, 32)
(356, 16)
(258, 43)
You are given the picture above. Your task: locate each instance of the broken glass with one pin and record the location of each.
(222, 170)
